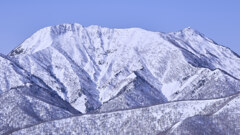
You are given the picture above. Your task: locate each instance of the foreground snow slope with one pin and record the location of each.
(223, 122)
(101, 69)
(19, 109)
(159, 119)
(25, 100)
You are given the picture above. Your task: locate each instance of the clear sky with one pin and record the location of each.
(217, 19)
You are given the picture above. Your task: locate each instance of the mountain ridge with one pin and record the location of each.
(232, 97)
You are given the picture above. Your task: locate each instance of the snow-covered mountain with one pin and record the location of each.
(111, 71)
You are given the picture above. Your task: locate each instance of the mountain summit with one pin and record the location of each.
(111, 72)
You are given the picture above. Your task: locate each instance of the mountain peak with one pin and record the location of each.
(190, 31)
(187, 32)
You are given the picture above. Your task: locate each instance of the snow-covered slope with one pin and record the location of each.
(25, 101)
(20, 108)
(96, 68)
(223, 122)
(10, 75)
(163, 119)
(209, 53)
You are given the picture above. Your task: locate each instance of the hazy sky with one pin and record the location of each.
(217, 19)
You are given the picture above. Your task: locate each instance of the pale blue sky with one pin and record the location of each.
(217, 19)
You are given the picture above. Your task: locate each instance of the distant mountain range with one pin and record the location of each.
(71, 79)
